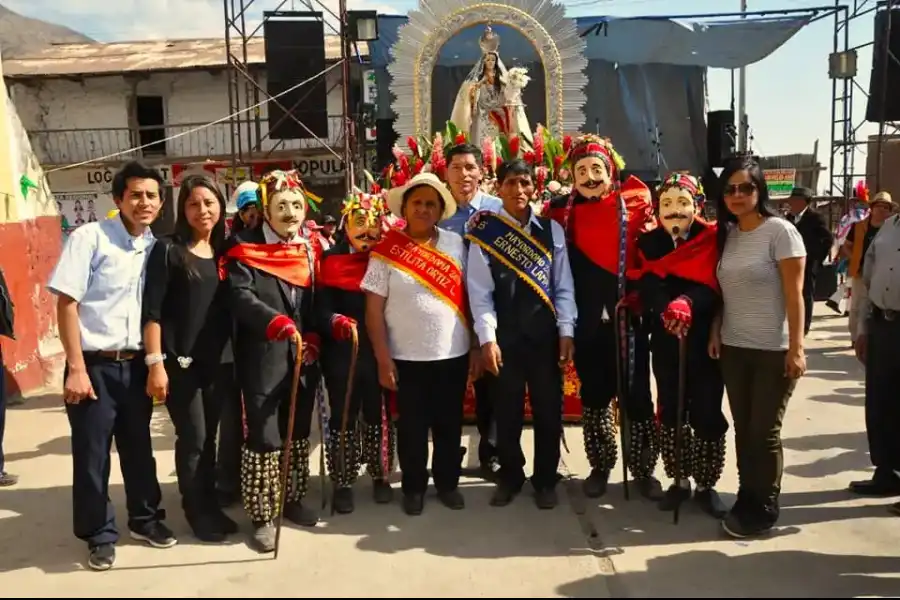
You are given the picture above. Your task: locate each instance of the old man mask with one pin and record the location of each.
(363, 220)
(595, 166)
(680, 196)
(284, 201)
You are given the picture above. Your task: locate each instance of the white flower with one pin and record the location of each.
(517, 77)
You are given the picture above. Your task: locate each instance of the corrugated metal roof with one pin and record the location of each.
(163, 55)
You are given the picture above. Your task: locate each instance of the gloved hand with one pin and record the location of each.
(280, 328)
(677, 317)
(342, 327)
(311, 345)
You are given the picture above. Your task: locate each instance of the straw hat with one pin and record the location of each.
(882, 198)
(395, 195)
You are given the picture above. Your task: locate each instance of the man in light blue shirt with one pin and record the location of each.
(99, 282)
(464, 176)
(522, 298)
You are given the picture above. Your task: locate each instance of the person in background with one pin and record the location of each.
(418, 324)
(7, 322)
(247, 202)
(524, 316)
(186, 326)
(878, 330)
(99, 282)
(329, 227)
(856, 246)
(817, 240)
(757, 338)
(464, 178)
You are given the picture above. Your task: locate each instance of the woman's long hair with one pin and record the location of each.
(184, 233)
(724, 216)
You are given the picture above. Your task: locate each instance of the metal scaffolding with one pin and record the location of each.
(844, 128)
(246, 94)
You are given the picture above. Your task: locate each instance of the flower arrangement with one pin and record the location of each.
(516, 78)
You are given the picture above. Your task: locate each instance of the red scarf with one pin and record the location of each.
(288, 262)
(344, 271)
(694, 260)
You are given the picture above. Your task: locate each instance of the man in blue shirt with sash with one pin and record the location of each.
(522, 298)
(99, 283)
(464, 176)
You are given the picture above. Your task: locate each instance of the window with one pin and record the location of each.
(151, 120)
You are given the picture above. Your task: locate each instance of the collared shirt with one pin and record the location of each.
(102, 269)
(881, 271)
(480, 284)
(480, 201)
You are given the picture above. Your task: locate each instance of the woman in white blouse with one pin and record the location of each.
(416, 319)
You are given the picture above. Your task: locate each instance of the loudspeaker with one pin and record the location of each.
(875, 112)
(295, 52)
(721, 137)
(385, 138)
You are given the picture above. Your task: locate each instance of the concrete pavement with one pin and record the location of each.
(828, 544)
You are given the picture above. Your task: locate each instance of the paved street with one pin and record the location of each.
(828, 543)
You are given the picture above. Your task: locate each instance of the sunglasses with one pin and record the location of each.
(745, 189)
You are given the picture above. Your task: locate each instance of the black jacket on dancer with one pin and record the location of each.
(340, 303)
(592, 228)
(678, 283)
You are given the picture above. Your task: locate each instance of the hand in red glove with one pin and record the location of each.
(280, 328)
(677, 317)
(342, 327)
(311, 345)
(631, 302)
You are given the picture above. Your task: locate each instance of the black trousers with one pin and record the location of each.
(882, 405)
(535, 364)
(231, 432)
(705, 388)
(122, 411)
(430, 398)
(196, 397)
(809, 287)
(366, 395)
(267, 414)
(484, 418)
(595, 364)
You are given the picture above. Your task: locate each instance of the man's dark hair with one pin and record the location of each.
(513, 167)
(133, 170)
(460, 149)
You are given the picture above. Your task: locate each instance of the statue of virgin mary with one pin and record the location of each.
(489, 102)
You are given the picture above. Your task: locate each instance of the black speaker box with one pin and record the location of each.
(721, 137)
(884, 40)
(295, 52)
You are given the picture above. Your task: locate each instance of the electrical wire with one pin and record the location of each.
(199, 127)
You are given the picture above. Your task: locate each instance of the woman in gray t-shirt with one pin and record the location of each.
(758, 337)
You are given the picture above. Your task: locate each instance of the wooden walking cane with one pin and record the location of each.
(621, 325)
(288, 439)
(345, 416)
(679, 416)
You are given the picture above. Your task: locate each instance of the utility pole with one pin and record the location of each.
(349, 126)
(742, 100)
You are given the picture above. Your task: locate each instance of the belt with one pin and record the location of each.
(113, 355)
(885, 314)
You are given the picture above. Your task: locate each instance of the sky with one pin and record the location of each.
(789, 95)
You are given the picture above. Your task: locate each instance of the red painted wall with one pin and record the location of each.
(28, 253)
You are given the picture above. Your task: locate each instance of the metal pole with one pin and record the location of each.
(348, 127)
(742, 98)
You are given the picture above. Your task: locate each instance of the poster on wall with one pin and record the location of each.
(78, 208)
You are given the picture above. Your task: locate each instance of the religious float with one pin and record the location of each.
(488, 109)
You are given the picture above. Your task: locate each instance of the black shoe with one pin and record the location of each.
(382, 492)
(674, 497)
(296, 513)
(342, 500)
(650, 488)
(709, 502)
(413, 504)
(206, 529)
(8, 479)
(546, 499)
(453, 499)
(155, 534)
(595, 484)
(103, 557)
(503, 495)
(877, 486)
(751, 519)
(224, 523)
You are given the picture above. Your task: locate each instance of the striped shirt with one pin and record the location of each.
(754, 314)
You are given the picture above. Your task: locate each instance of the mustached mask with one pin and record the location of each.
(595, 166)
(284, 200)
(363, 220)
(680, 197)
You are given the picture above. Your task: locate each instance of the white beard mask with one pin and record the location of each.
(592, 178)
(676, 210)
(285, 212)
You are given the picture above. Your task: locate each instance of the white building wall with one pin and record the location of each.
(73, 121)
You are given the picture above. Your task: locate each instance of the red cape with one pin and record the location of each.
(290, 263)
(594, 225)
(344, 271)
(694, 260)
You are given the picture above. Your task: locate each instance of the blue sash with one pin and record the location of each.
(509, 243)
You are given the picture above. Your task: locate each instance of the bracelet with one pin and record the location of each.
(152, 359)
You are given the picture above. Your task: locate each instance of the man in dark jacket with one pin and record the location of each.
(7, 319)
(816, 237)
